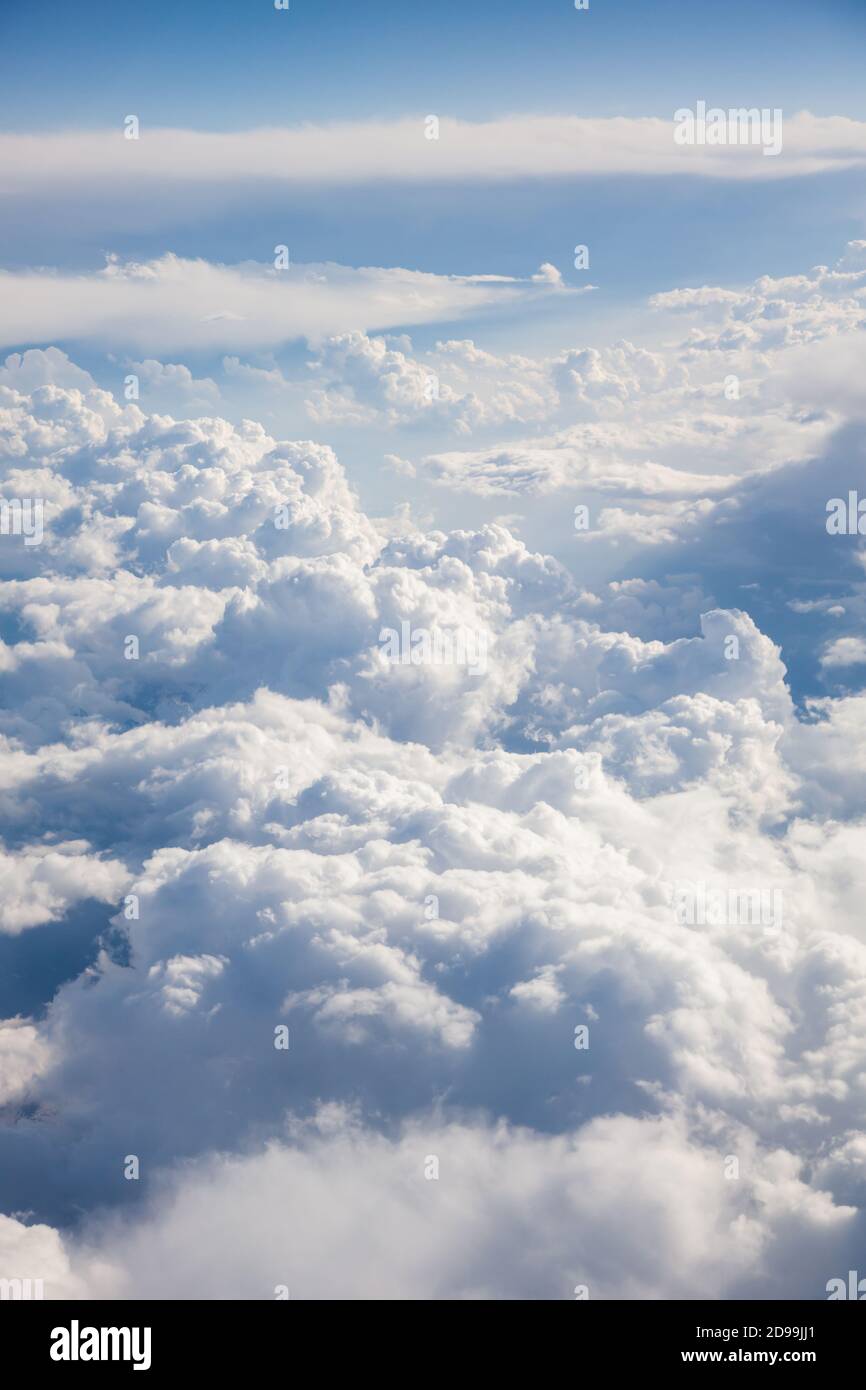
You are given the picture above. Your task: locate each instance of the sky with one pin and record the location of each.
(225, 65)
(430, 574)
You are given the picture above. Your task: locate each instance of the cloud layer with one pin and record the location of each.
(172, 303)
(414, 149)
(408, 937)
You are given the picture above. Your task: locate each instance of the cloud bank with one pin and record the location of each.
(483, 949)
(411, 149)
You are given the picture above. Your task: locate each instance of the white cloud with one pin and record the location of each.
(40, 883)
(172, 304)
(175, 380)
(547, 465)
(24, 1054)
(24, 371)
(520, 146)
(34, 1252)
(845, 651)
(625, 1208)
(430, 876)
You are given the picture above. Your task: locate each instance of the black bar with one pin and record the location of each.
(222, 1337)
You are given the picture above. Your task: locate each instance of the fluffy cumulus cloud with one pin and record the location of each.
(422, 880)
(367, 380)
(762, 377)
(41, 882)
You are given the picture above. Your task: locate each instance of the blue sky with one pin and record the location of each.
(226, 64)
